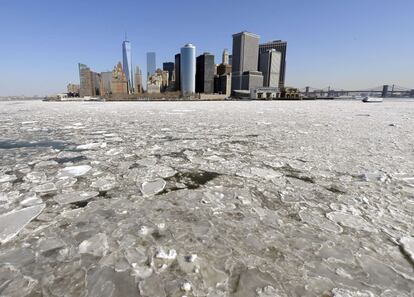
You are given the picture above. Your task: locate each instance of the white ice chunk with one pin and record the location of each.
(7, 178)
(45, 188)
(347, 293)
(96, 245)
(352, 221)
(12, 223)
(75, 170)
(162, 254)
(153, 187)
(407, 244)
(91, 146)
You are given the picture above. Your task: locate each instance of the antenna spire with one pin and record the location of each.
(126, 36)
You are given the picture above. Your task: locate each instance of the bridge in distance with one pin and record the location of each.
(384, 91)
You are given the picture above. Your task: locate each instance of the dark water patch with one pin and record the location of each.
(79, 204)
(11, 144)
(136, 165)
(73, 160)
(172, 138)
(242, 142)
(191, 179)
(335, 189)
(301, 177)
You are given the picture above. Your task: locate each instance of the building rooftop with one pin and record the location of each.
(247, 33)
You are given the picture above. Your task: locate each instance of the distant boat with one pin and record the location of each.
(368, 99)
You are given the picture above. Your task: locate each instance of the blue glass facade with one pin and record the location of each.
(188, 69)
(151, 64)
(127, 64)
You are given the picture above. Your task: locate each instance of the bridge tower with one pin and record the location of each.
(385, 91)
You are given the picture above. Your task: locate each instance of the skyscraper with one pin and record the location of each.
(127, 64)
(270, 62)
(151, 64)
(138, 81)
(106, 79)
(188, 69)
(177, 72)
(280, 46)
(225, 59)
(85, 79)
(168, 66)
(245, 57)
(205, 73)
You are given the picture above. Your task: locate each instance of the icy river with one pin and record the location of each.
(212, 199)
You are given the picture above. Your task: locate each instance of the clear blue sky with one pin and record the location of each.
(341, 43)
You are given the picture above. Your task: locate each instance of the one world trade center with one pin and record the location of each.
(127, 64)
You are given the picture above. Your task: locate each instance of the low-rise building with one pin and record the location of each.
(119, 83)
(265, 93)
(73, 89)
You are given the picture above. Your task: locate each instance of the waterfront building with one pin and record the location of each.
(168, 66)
(225, 58)
(73, 89)
(251, 80)
(222, 84)
(205, 68)
(138, 81)
(279, 46)
(127, 64)
(151, 64)
(188, 69)
(265, 93)
(177, 74)
(245, 59)
(270, 62)
(119, 83)
(106, 78)
(163, 77)
(85, 79)
(154, 84)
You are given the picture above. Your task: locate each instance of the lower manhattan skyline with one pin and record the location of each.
(343, 45)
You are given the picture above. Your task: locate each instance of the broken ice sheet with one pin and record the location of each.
(153, 187)
(97, 245)
(271, 186)
(13, 222)
(73, 197)
(75, 171)
(407, 245)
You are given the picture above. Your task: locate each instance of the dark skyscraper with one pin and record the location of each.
(245, 57)
(177, 72)
(205, 73)
(281, 47)
(151, 64)
(168, 66)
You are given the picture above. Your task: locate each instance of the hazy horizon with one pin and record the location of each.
(348, 45)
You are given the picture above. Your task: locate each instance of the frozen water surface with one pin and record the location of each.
(207, 199)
